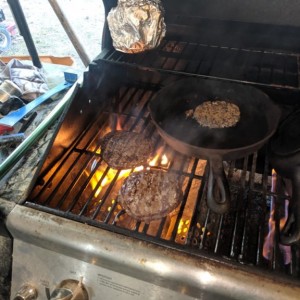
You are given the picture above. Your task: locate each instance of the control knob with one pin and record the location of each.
(26, 292)
(70, 289)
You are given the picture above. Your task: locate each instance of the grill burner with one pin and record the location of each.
(69, 189)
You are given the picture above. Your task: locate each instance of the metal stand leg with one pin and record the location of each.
(19, 17)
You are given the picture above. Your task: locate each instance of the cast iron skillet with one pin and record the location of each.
(258, 121)
(285, 158)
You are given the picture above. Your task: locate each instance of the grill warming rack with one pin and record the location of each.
(81, 187)
(264, 68)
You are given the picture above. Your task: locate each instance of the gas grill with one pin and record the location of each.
(71, 227)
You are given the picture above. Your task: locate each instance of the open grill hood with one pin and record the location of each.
(232, 22)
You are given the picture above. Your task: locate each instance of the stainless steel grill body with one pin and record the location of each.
(114, 265)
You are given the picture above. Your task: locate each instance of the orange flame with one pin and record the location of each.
(138, 169)
(118, 126)
(154, 161)
(97, 177)
(108, 129)
(112, 173)
(269, 239)
(183, 226)
(158, 160)
(164, 160)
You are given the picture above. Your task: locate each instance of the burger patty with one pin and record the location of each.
(216, 114)
(125, 149)
(150, 195)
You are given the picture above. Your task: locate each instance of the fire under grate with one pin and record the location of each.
(81, 187)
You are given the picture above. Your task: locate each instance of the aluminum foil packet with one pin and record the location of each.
(136, 25)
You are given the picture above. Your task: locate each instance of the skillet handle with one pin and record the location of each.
(218, 194)
(290, 233)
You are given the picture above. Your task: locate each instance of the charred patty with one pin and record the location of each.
(150, 195)
(125, 149)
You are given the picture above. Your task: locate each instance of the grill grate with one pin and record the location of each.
(81, 187)
(263, 68)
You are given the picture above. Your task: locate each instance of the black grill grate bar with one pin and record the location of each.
(266, 69)
(285, 81)
(295, 265)
(168, 62)
(192, 236)
(260, 237)
(160, 228)
(265, 176)
(183, 202)
(147, 119)
(260, 243)
(298, 67)
(132, 98)
(197, 58)
(220, 222)
(94, 191)
(107, 192)
(105, 197)
(180, 64)
(81, 152)
(183, 167)
(278, 259)
(63, 161)
(109, 215)
(253, 169)
(112, 183)
(239, 200)
(142, 111)
(92, 194)
(124, 99)
(145, 228)
(261, 67)
(173, 60)
(204, 232)
(83, 187)
(74, 181)
(247, 203)
(210, 59)
(240, 214)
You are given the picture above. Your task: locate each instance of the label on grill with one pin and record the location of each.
(108, 282)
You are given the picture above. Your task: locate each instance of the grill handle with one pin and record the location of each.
(218, 194)
(290, 233)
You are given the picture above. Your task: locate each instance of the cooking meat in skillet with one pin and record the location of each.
(215, 114)
(125, 149)
(150, 195)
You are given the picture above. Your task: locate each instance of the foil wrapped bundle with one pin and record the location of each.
(136, 25)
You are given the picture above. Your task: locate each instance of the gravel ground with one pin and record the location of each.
(86, 18)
